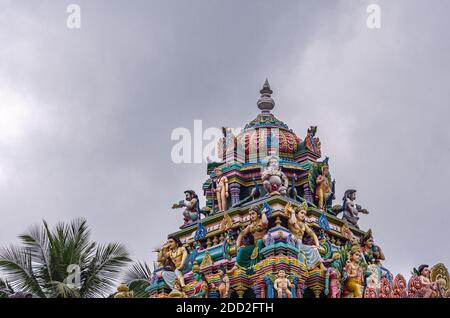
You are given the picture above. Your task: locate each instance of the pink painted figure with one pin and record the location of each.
(429, 289)
(334, 284)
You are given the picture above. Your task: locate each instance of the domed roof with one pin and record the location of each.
(265, 132)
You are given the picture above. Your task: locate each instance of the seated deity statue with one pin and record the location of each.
(312, 142)
(298, 227)
(351, 209)
(177, 290)
(172, 257)
(201, 288)
(282, 285)
(275, 182)
(191, 212)
(250, 254)
(429, 289)
(123, 291)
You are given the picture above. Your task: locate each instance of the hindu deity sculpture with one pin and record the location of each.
(224, 285)
(312, 143)
(177, 290)
(351, 209)
(298, 228)
(334, 283)
(249, 255)
(275, 182)
(429, 289)
(320, 184)
(371, 252)
(123, 291)
(172, 257)
(354, 279)
(282, 285)
(373, 278)
(201, 288)
(191, 204)
(221, 189)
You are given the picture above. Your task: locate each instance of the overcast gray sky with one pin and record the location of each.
(86, 114)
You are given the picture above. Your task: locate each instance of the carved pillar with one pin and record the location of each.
(307, 193)
(235, 190)
(294, 288)
(269, 287)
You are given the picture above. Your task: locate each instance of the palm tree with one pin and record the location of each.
(138, 278)
(5, 289)
(62, 262)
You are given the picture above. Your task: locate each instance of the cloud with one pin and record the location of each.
(100, 104)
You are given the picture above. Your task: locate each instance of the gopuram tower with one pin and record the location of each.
(271, 228)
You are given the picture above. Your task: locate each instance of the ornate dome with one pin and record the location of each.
(266, 135)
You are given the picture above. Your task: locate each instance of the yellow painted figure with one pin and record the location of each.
(323, 187)
(123, 291)
(354, 281)
(177, 291)
(173, 256)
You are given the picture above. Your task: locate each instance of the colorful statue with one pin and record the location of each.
(351, 209)
(298, 228)
(221, 189)
(371, 252)
(282, 285)
(201, 288)
(177, 290)
(224, 284)
(191, 204)
(428, 289)
(324, 191)
(123, 291)
(321, 185)
(334, 283)
(249, 255)
(440, 275)
(226, 223)
(274, 180)
(354, 279)
(173, 256)
(373, 278)
(312, 143)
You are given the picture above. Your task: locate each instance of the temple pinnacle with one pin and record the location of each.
(265, 102)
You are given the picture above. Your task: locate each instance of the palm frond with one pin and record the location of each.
(138, 277)
(64, 290)
(16, 262)
(101, 275)
(5, 289)
(36, 241)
